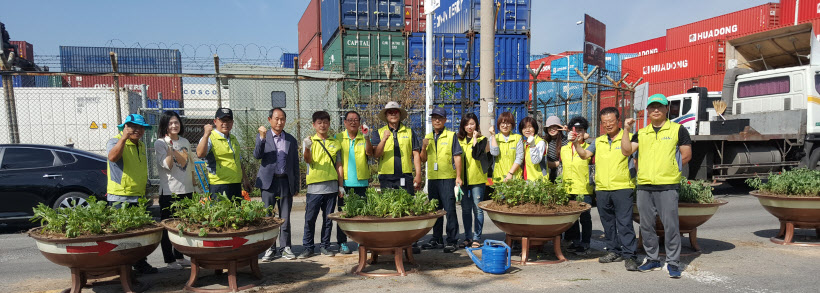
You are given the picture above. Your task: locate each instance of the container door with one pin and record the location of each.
(356, 13)
(388, 15)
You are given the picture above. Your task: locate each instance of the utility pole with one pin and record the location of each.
(487, 70)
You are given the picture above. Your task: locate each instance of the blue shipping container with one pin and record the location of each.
(511, 58)
(21, 81)
(450, 51)
(287, 59)
(558, 67)
(373, 15)
(130, 60)
(455, 112)
(461, 16)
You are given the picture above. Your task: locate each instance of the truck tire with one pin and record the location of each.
(814, 159)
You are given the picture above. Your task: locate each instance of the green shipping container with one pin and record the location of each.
(364, 54)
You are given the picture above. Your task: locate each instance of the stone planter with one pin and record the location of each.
(100, 256)
(220, 251)
(533, 229)
(793, 212)
(690, 217)
(386, 236)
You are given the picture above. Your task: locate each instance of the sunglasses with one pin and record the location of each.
(392, 112)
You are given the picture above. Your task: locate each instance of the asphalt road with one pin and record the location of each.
(737, 257)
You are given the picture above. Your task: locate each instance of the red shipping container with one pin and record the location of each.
(712, 82)
(727, 26)
(808, 10)
(310, 24)
(311, 57)
(170, 87)
(647, 47)
(688, 62)
(24, 49)
(415, 20)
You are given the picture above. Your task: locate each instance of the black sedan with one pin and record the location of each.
(53, 175)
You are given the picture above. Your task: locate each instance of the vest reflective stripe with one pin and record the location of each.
(534, 171)
(506, 156)
(362, 169)
(611, 166)
(405, 145)
(576, 170)
(656, 155)
(322, 168)
(134, 171)
(228, 170)
(475, 175)
(443, 155)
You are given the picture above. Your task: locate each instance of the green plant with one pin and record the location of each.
(202, 214)
(797, 182)
(97, 218)
(394, 203)
(696, 191)
(518, 192)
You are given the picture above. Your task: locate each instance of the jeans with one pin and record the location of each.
(341, 237)
(316, 202)
(470, 211)
(582, 234)
(280, 188)
(169, 254)
(442, 190)
(615, 209)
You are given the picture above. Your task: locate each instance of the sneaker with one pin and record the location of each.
(306, 253)
(142, 267)
(450, 248)
(674, 271)
(270, 255)
(174, 266)
(184, 262)
(343, 249)
(326, 252)
(416, 249)
(574, 246)
(581, 251)
(288, 254)
(432, 244)
(650, 265)
(631, 264)
(610, 257)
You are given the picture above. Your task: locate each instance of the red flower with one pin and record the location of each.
(689, 182)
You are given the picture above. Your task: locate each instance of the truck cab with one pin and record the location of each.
(693, 111)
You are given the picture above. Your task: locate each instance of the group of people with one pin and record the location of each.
(458, 165)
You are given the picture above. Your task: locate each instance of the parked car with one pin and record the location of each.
(53, 175)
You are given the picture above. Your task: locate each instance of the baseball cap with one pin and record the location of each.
(657, 98)
(134, 119)
(439, 111)
(223, 112)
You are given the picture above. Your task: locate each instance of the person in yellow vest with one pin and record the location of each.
(665, 148)
(576, 178)
(614, 187)
(535, 165)
(476, 164)
(354, 169)
(220, 150)
(443, 157)
(128, 170)
(507, 149)
(396, 163)
(321, 153)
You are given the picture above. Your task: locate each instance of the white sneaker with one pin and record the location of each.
(184, 262)
(174, 266)
(270, 255)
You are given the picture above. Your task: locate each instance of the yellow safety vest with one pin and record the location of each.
(322, 168)
(611, 166)
(534, 171)
(576, 170)
(228, 169)
(506, 156)
(134, 171)
(405, 135)
(359, 145)
(475, 174)
(656, 155)
(440, 153)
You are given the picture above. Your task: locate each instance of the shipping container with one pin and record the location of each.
(310, 24)
(727, 26)
(559, 69)
(688, 62)
(462, 16)
(808, 10)
(25, 50)
(48, 81)
(130, 60)
(201, 99)
(374, 15)
(451, 50)
(647, 47)
(311, 56)
(363, 54)
(21, 81)
(170, 87)
(58, 116)
(414, 18)
(536, 60)
(511, 58)
(287, 59)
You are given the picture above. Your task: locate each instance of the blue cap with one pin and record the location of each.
(134, 119)
(657, 98)
(439, 111)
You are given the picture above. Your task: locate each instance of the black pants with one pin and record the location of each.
(442, 190)
(396, 183)
(341, 237)
(232, 190)
(582, 232)
(280, 188)
(169, 254)
(615, 209)
(316, 202)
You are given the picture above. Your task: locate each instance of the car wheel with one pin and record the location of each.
(70, 200)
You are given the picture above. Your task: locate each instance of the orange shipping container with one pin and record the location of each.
(688, 62)
(808, 10)
(727, 26)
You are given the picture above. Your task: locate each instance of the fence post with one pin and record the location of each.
(298, 100)
(115, 68)
(534, 94)
(218, 83)
(144, 95)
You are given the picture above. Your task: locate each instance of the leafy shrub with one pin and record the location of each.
(201, 212)
(518, 192)
(97, 218)
(797, 182)
(394, 203)
(696, 191)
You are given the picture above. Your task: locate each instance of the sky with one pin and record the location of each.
(257, 29)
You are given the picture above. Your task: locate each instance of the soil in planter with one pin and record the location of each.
(55, 235)
(785, 196)
(376, 218)
(258, 224)
(531, 208)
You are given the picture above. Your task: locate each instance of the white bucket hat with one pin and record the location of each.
(390, 106)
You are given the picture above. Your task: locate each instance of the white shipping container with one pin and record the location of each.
(200, 99)
(86, 117)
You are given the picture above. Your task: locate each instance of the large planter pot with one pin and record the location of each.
(386, 236)
(99, 256)
(793, 212)
(533, 229)
(690, 217)
(220, 251)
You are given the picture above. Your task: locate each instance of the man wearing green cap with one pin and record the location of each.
(666, 148)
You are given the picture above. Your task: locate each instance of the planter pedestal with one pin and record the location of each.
(792, 212)
(787, 233)
(527, 242)
(690, 217)
(218, 266)
(399, 254)
(79, 278)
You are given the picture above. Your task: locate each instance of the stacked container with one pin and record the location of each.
(130, 60)
(339, 16)
(642, 48)
(310, 37)
(25, 50)
(415, 20)
(464, 16)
